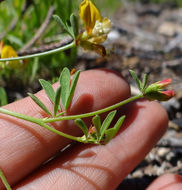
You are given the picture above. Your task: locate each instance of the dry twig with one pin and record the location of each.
(44, 48)
(40, 30)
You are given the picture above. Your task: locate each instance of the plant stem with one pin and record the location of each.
(71, 117)
(68, 46)
(5, 182)
(39, 122)
(42, 122)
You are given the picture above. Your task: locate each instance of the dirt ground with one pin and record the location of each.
(148, 39)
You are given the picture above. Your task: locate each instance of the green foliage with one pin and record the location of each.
(61, 99)
(28, 16)
(4, 180)
(48, 89)
(106, 123)
(140, 84)
(67, 89)
(99, 132)
(64, 92)
(39, 103)
(110, 133)
(80, 123)
(70, 26)
(57, 99)
(3, 97)
(97, 124)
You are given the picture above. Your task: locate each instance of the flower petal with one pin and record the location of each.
(89, 14)
(8, 52)
(93, 47)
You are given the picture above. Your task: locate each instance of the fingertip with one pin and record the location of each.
(167, 182)
(144, 125)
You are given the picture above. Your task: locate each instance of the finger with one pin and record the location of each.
(167, 182)
(103, 167)
(24, 146)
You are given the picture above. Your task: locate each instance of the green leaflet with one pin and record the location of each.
(60, 22)
(74, 24)
(65, 85)
(80, 123)
(72, 88)
(136, 79)
(144, 82)
(39, 103)
(106, 123)
(67, 90)
(3, 97)
(57, 100)
(97, 124)
(111, 133)
(71, 26)
(48, 89)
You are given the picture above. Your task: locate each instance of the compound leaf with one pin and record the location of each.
(111, 133)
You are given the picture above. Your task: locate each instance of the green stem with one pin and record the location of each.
(71, 117)
(42, 122)
(68, 46)
(5, 182)
(39, 122)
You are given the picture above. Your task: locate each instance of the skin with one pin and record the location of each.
(25, 146)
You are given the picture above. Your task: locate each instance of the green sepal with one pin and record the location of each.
(48, 89)
(111, 133)
(80, 123)
(106, 123)
(39, 103)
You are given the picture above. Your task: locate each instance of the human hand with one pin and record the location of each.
(25, 146)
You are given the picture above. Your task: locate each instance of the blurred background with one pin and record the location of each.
(146, 36)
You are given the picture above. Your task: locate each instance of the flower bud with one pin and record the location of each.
(164, 83)
(154, 91)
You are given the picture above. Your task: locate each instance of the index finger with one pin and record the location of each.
(24, 146)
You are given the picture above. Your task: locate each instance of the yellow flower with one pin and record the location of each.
(97, 28)
(89, 14)
(8, 52)
(1, 45)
